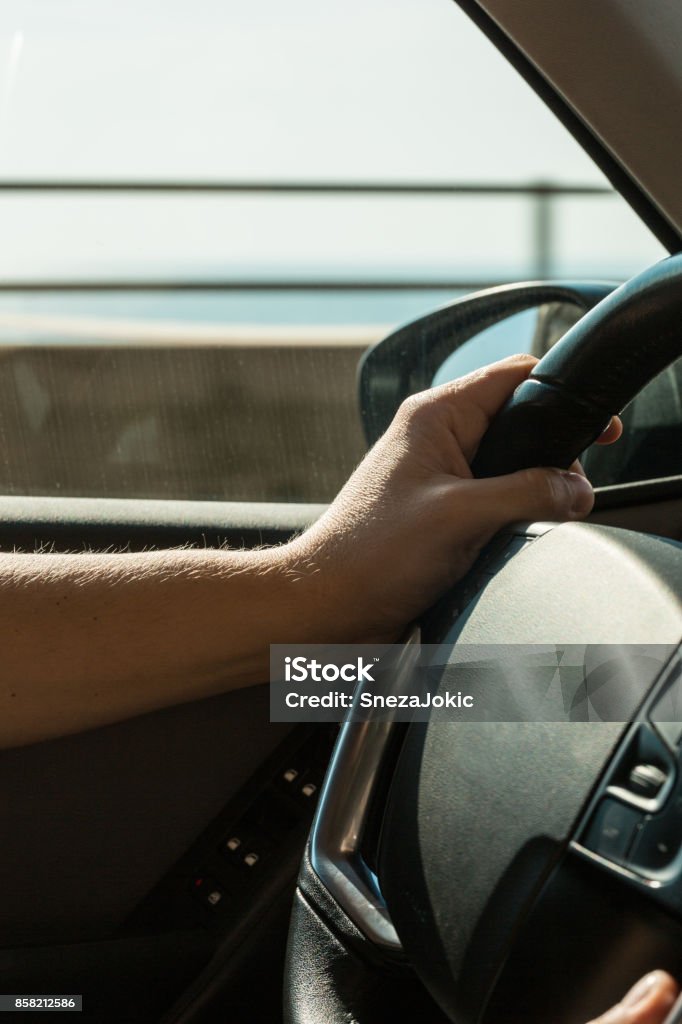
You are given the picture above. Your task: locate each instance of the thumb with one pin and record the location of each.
(648, 1002)
(533, 494)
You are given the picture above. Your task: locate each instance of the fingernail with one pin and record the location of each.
(642, 989)
(581, 493)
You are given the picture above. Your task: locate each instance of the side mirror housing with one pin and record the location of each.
(407, 360)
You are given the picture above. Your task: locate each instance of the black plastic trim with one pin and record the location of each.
(621, 180)
(638, 492)
(69, 523)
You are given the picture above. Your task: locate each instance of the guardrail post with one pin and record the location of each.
(543, 231)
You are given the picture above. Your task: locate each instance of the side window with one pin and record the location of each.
(204, 229)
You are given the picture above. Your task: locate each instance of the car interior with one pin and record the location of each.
(203, 864)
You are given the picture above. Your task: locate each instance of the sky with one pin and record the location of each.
(304, 90)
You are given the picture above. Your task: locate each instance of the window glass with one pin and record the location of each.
(162, 336)
(506, 338)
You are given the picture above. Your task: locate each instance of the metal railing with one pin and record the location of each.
(541, 196)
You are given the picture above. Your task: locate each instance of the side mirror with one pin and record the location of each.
(408, 360)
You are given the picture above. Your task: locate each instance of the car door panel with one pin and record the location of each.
(96, 823)
(72, 524)
(92, 822)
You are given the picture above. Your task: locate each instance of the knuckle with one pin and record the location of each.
(414, 406)
(522, 359)
(547, 487)
(559, 491)
(532, 479)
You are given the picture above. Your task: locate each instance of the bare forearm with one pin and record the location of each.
(90, 639)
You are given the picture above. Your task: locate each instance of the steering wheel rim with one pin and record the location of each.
(591, 374)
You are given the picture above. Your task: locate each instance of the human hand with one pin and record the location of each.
(648, 1002)
(411, 520)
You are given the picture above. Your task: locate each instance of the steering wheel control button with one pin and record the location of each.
(612, 830)
(644, 774)
(657, 843)
(647, 780)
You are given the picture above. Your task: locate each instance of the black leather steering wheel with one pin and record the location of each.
(519, 871)
(591, 373)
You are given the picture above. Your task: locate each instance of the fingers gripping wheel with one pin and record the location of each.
(405, 362)
(590, 375)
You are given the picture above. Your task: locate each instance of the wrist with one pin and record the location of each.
(325, 587)
(306, 606)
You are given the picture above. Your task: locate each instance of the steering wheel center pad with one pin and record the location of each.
(480, 817)
(480, 813)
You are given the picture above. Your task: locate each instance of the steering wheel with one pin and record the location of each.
(498, 870)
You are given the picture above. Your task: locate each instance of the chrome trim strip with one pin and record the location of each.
(342, 811)
(613, 866)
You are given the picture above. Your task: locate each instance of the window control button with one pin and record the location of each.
(256, 847)
(209, 892)
(233, 844)
(289, 778)
(308, 790)
(612, 829)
